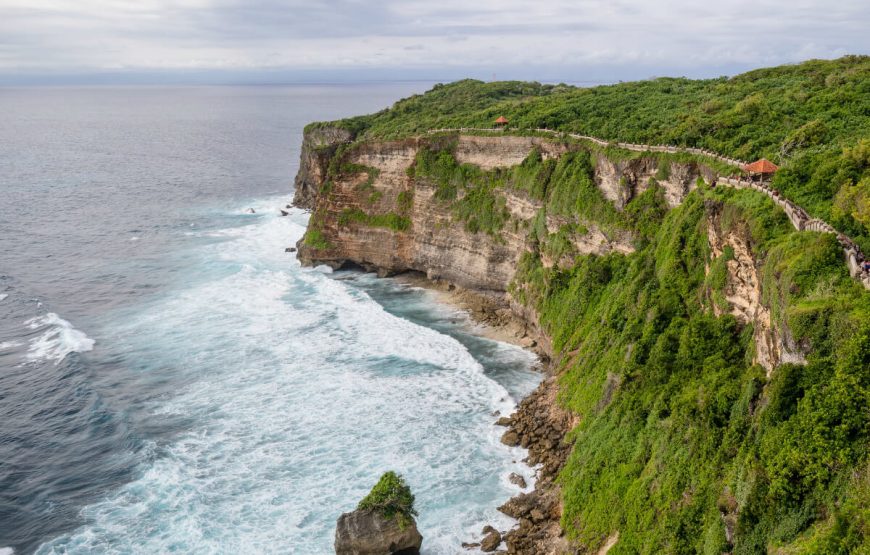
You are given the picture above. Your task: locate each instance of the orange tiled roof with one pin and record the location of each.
(761, 166)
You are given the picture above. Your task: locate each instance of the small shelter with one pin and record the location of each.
(763, 169)
(501, 122)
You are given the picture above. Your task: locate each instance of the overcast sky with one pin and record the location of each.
(549, 40)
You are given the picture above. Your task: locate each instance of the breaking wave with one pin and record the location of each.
(57, 339)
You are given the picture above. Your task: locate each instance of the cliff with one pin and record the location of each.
(376, 214)
(708, 346)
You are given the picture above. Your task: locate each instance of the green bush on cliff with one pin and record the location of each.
(392, 497)
(694, 431)
(389, 220)
(314, 238)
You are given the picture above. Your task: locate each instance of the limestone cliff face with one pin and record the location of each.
(370, 210)
(372, 213)
(318, 147)
(503, 151)
(434, 242)
(623, 180)
(743, 294)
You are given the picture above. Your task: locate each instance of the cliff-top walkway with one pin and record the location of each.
(800, 218)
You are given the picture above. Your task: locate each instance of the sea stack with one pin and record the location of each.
(383, 522)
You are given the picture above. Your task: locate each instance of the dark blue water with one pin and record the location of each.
(171, 380)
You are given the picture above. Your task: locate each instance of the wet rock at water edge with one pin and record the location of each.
(503, 421)
(369, 532)
(285, 213)
(290, 249)
(491, 539)
(383, 522)
(251, 211)
(517, 480)
(510, 438)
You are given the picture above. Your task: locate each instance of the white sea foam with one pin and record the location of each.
(3, 297)
(6, 550)
(303, 390)
(57, 339)
(7, 346)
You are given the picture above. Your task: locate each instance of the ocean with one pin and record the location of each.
(172, 380)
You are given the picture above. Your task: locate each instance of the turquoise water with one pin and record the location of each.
(172, 380)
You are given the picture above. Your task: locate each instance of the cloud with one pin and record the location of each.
(106, 35)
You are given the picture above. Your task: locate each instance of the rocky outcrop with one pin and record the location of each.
(622, 180)
(743, 294)
(318, 148)
(540, 425)
(491, 539)
(368, 532)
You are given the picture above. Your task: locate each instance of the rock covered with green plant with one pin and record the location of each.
(383, 522)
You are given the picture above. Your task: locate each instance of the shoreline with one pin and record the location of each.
(493, 320)
(538, 424)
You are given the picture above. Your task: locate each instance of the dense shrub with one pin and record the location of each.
(694, 429)
(392, 497)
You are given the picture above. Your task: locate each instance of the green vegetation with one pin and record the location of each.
(392, 497)
(809, 118)
(478, 206)
(567, 185)
(314, 238)
(695, 431)
(389, 220)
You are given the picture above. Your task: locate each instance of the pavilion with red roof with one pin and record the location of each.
(762, 168)
(501, 121)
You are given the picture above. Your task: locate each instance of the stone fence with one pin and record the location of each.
(798, 217)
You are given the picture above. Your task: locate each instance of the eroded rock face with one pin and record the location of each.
(318, 146)
(773, 344)
(502, 151)
(433, 242)
(368, 532)
(623, 180)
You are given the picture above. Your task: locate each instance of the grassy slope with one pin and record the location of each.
(680, 433)
(693, 431)
(810, 118)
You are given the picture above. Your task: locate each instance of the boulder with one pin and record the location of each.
(369, 532)
(517, 480)
(290, 249)
(285, 213)
(510, 438)
(491, 540)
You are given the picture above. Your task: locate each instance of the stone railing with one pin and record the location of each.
(802, 221)
(799, 218)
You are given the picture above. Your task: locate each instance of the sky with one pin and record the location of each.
(574, 41)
